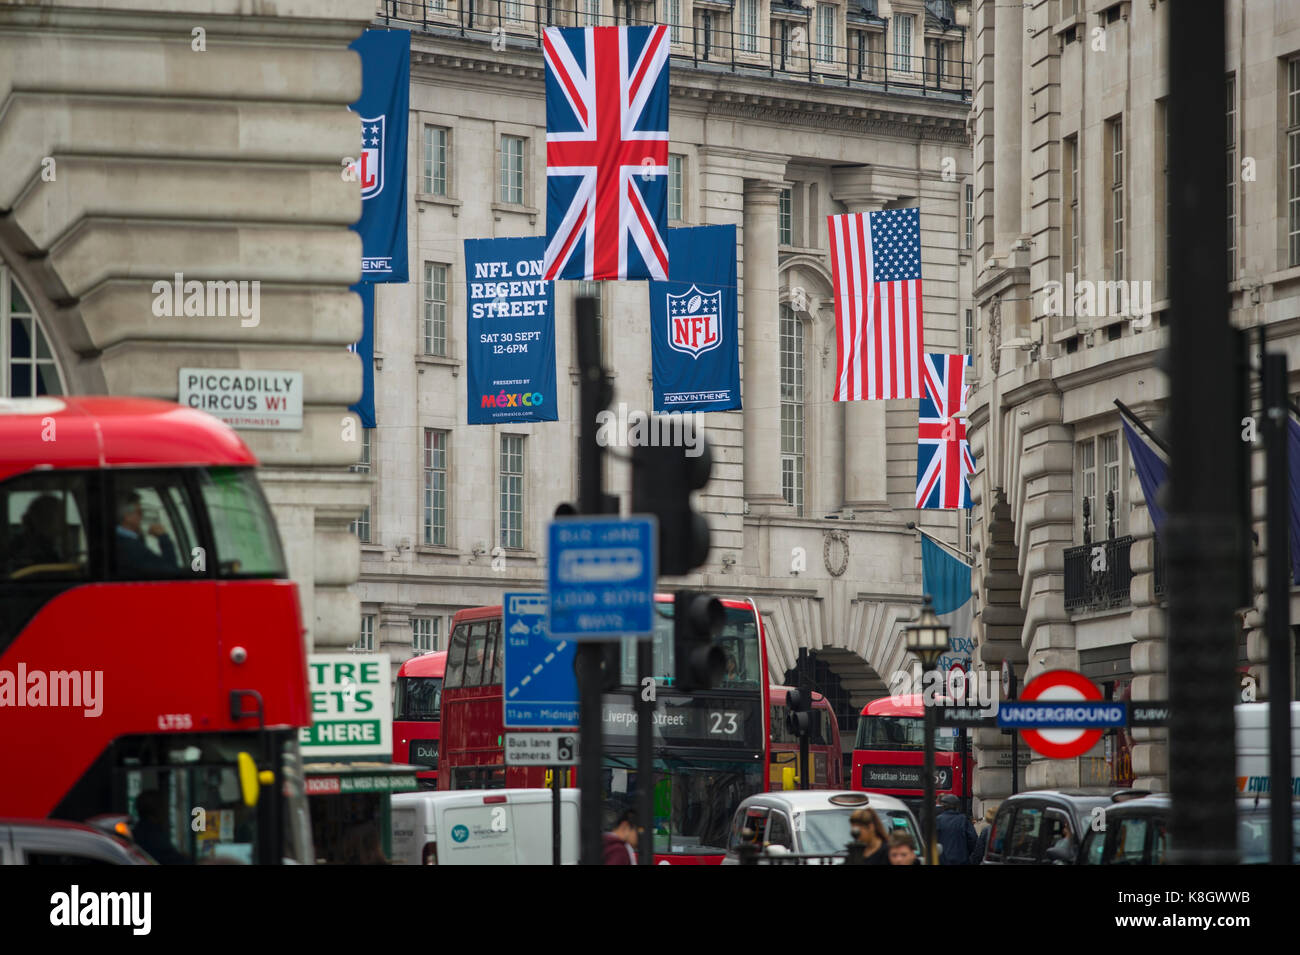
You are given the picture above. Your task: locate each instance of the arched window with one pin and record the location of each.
(28, 368)
(792, 408)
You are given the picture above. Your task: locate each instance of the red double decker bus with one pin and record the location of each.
(417, 709)
(151, 648)
(711, 747)
(889, 753)
(825, 757)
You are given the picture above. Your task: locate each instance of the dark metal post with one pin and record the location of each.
(1279, 607)
(1015, 741)
(1204, 529)
(557, 775)
(929, 777)
(645, 763)
(805, 689)
(593, 398)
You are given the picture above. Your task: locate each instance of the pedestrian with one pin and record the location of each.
(620, 843)
(984, 829)
(902, 851)
(866, 828)
(954, 831)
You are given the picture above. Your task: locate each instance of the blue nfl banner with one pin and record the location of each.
(381, 165)
(510, 337)
(693, 324)
(365, 408)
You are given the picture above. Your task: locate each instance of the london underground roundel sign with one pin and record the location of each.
(1061, 686)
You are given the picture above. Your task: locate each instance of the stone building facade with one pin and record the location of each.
(144, 138)
(773, 128)
(1070, 175)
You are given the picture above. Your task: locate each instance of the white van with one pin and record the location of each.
(482, 827)
(1252, 749)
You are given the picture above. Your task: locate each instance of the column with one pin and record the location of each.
(760, 364)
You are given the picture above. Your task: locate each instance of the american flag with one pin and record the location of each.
(943, 461)
(606, 152)
(876, 264)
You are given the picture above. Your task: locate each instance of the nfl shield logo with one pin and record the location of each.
(372, 157)
(693, 325)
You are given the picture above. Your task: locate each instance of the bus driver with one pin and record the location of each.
(133, 554)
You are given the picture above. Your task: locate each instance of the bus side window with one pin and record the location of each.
(495, 651)
(475, 654)
(43, 531)
(456, 657)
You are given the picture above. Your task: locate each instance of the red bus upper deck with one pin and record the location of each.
(151, 651)
(417, 710)
(711, 747)
(824, 747)
(889, 752)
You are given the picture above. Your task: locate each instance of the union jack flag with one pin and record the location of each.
(876, 268)
(944, 462)
(606, 152)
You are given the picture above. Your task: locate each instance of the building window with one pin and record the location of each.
(29, 369)
(594, 290)
(785, 219)
(903, 43)
(1117, 197)
(1109, 503)
(513, 10)
(1072, 204)
(366, 640)
(969, 521)
(1163, 111)
(435, 160)
(675, 21)
(424, 634)
(675, 166)
(590, 13)
(512, 170)
(748, 26)
(361, 526)
(792, 408)
(512, 490)
(1293, 158)
(435, 309)
(970, 332)
(826, 32)
(435, 487)
(1088, 488)
(970, 215)
(1231, 115)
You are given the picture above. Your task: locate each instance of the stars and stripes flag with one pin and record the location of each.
(944, 463)
(606, 152)
(876, 264)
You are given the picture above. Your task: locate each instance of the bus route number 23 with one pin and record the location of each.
(723, 723)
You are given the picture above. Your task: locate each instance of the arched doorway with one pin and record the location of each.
(822, 675)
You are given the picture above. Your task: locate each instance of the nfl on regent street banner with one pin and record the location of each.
(365, 408)
(696, 356)
(510, 337)
(380, 169)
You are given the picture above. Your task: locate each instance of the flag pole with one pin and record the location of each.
(1127, 412)
(911, 526)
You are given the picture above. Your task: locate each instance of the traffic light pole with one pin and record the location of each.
(645, 776)
(1204, 530)
(591, 741)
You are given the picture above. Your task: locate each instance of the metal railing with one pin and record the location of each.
(1103, 588)
(786, 46)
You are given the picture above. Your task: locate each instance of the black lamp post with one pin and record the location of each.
(928, 639)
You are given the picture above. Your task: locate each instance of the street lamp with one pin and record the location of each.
(928, 639)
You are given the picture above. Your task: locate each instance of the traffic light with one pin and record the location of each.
(798, 719)
(663, 478)
(697, 619)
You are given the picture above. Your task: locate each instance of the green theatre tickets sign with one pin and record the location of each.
(351, 706)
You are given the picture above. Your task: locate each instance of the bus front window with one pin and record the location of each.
(418, 698)
(901, 733)
(738, 639)
(694, 800)
(248, 544)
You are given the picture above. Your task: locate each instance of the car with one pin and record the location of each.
(812, 821)
(1137, 833)
(53, 842)
(1045, 826)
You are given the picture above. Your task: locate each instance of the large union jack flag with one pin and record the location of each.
(944, 463)
(876, 268)
(606, 152)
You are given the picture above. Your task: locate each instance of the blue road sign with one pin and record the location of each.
(541, 689)
(1060, 714)
(601, 577)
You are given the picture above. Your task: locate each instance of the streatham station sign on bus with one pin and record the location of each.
(243, 398)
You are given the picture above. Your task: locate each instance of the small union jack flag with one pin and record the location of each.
(944, 463)
(606, 152)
